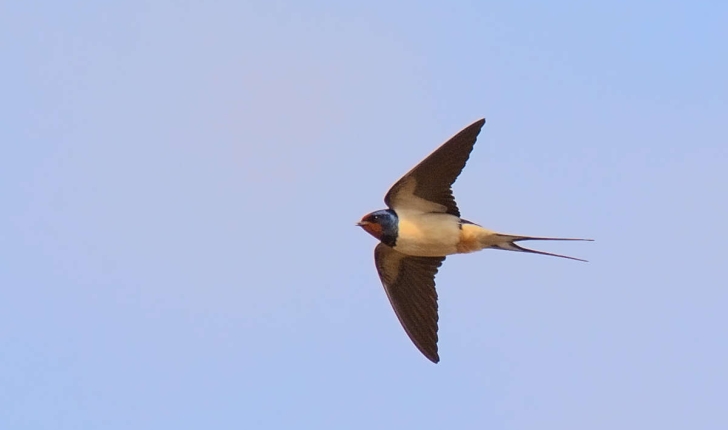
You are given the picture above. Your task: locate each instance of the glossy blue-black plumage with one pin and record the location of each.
(389, 221)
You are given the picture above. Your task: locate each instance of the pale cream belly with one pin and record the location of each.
(438, 235)
(428, 234)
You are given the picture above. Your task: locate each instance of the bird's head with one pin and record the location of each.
(381, 224)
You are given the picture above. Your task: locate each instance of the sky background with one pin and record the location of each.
(179, 184)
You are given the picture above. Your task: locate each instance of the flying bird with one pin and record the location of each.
(422, 226)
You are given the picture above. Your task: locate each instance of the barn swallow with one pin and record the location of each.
(422, 226)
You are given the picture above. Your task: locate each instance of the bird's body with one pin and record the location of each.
(421, 227)
(424, 234)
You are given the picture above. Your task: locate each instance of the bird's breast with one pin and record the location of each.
(427, 234)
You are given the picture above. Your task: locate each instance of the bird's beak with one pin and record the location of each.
(362, 223)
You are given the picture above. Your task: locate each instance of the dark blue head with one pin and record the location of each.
(381, 224)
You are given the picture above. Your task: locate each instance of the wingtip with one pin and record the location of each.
(477, 123)
(430, 354)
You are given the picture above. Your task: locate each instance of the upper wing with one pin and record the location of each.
(410, 285)
(427, 186)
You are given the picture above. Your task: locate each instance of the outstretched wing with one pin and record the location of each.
(427, 187)
(410, 285)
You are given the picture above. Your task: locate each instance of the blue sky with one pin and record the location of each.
(180, 183)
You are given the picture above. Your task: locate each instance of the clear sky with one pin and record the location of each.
(180, 182)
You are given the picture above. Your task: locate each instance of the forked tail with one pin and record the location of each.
(508, 243)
